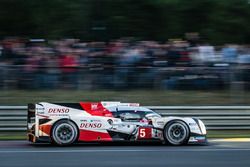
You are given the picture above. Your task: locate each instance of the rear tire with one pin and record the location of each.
(64, 133)
(176, 133)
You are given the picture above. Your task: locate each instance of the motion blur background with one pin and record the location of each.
(157, 52)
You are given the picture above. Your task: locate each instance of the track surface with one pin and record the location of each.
(217, 153)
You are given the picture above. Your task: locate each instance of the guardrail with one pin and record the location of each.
(13, 118)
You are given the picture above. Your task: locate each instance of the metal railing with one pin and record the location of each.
(161, 76)
(13, 118)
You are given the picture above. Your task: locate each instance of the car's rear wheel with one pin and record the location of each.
(176, 133)
(64, 132)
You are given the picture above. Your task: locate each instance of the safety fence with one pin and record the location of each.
(13, 118)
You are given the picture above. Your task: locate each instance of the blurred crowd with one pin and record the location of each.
(121, 64)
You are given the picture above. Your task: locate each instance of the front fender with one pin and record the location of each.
(196, 126)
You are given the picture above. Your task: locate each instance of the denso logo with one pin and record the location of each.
(90, 125)
(58, 110)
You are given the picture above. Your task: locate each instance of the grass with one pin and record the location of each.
(145, 97)
(12, 136)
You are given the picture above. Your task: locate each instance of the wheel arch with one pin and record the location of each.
(66, 119)
(173, 120)
(167, 123)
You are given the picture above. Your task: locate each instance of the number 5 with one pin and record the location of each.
(142, 133)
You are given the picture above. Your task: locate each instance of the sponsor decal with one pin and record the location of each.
(94, 106)
(58, 110)
(134, 104)
(110, 121)
(95, 109)
(90, 120)
(192, 139)
(197, 139)
(59, 115)
(95, 120)
(117, 126)
(39, 110)
(155, 132)
(90, 125)
(200, 138)
(159, 135)
(160, 123)
(192, 124)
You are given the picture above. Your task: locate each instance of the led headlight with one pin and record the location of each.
(203, 128)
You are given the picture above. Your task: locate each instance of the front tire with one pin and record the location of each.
(64, 132)
(176, 133)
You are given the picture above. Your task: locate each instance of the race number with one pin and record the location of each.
(142, 133)
(145, 133)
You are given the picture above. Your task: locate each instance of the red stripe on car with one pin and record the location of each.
(96, 109)
(87, 135)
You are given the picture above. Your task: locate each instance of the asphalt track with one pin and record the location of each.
(216, 153)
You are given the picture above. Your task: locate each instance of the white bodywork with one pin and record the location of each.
(86, 121)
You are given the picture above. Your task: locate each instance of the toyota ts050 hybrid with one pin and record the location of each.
(66, 123)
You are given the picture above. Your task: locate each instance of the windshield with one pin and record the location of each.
(135, 112)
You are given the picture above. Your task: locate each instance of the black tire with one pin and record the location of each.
(176, 133)
(64, 133)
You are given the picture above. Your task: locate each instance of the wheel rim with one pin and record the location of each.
(176, 133)
(64, 133)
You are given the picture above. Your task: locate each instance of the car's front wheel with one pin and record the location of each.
(176, 133)
(64, 132)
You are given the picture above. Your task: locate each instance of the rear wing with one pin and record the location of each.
(31, 112)
(31, 120)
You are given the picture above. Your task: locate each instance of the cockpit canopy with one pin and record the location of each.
(132, 113)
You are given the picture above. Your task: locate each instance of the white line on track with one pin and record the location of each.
(99, 151)
(231, 140)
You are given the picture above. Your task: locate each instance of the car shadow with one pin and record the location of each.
(115, 144)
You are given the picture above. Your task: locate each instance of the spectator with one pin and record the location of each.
(123, 63)
(69, 64)
(206, 53)
(229, 54)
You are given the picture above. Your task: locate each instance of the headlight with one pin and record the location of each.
(203, 128)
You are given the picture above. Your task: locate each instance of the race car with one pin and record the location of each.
(67, 123)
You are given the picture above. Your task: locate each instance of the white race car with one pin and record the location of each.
(66, 123)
